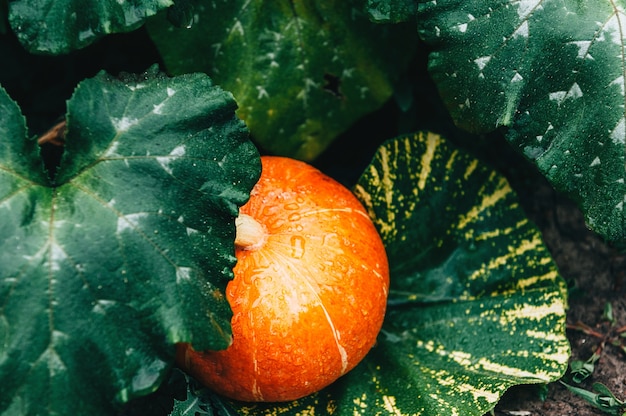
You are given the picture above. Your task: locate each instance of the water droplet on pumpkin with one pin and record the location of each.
(327, 238)
(268, 210)
(292, 206)
(294, 217)
(277, 224)
(297, 246)
(249, 278)
(265, 279)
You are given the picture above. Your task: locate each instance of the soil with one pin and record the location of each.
(596, 275)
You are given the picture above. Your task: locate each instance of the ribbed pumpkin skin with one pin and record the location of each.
(307, 303)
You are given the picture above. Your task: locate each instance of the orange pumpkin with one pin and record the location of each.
(309, 292)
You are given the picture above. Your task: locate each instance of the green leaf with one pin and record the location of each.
(200, 401)
(128, 251)
(302, 72)
(604, 399)
(20, 162)
(581, 370)
(60, 26)
(386, 11)
(181, 14)
(489, 305)
(608, 313)
(552, 72)
(476, 303)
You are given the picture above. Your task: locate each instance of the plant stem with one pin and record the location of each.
(251, 235)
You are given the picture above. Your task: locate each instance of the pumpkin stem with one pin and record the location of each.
(251, 234)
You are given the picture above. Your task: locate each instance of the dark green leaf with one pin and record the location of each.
(181, 14)
(129, 253)
(581, 370)
(552, 71)
(542, 391)
(20, 165)
(201, 401)
(302, 72)
(386, 11)
(60, 26)
(608, 313)
(193, 404)
(479, 305)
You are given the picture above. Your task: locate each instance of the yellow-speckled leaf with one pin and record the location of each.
(477, 304)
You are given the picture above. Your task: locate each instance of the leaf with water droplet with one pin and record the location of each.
(127, 251)
(60, 26)
(298, 69)
(553, 76)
